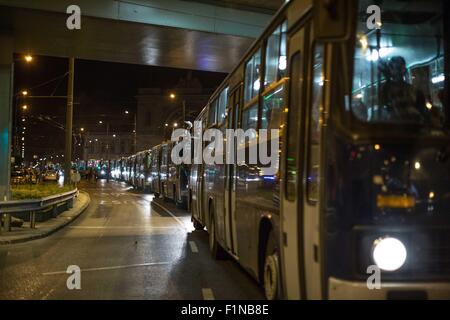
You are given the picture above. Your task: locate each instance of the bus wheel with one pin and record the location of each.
(271, 270)
(214, 247)
(197, 224)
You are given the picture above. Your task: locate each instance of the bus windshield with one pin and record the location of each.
(399, 70)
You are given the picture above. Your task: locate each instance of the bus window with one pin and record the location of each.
(292, 150)
(252, 76)
(315, 124)
(273, 107)
(250, 117)
(276, 55)
(399, 68)
(222, 106)
(212, 113)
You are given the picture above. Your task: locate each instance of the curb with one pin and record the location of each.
(54, 229)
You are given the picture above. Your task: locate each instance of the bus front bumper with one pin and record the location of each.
(352, 290)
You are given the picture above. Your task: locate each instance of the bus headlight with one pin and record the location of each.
(389, 254)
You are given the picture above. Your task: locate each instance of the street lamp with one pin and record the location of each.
(24, 92)
(82, 129)
(28, 58)
(172, 96)
(24, 107)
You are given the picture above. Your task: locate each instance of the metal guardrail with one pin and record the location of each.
(33, 206)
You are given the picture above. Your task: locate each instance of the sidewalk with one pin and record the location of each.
(46, 228)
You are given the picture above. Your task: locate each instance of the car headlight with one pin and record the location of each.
(389, 253)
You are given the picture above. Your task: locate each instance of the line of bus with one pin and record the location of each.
(364, 169)
(362, 186)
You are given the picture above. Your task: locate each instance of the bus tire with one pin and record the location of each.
(214, 246)
(271, 273)
(197, 224)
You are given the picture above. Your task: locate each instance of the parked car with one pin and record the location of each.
(18, 176)
(51, 175)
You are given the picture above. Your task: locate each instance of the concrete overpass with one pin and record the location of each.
(168, 33)
(208, 35)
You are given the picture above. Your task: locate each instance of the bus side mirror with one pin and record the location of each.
(332, 19)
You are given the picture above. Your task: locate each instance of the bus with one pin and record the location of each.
(142, 170)
(363, 183)
(155, 181)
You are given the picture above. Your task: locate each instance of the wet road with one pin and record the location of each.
(127, 248)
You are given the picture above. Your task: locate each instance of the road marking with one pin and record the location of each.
(120, 227)
(171, 214)
(207, 294)
(193, 245)
(45, 297)
(110, 268)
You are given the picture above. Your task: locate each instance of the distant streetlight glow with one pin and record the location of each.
(114, 135)
(172, 96)
(24, 92)
(167, 124)
(100, 122)
(25, 107)
(82, 129)
(175, 124)
(127, 112)
(28, 58)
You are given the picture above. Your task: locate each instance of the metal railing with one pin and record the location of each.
(34, 206)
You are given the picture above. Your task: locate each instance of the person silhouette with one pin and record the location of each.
(399, 98)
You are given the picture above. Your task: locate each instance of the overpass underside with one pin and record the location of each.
(210, 45)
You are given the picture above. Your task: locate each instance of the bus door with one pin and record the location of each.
(230, 176)
(291, 165)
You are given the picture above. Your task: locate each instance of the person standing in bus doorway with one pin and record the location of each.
(402, 101)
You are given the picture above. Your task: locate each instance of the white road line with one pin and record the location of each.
(170, 213)
(110, 268)
(122, 227)
(193, 245)
(207, 294)
(45, 297)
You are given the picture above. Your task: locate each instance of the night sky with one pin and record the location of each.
(100, 88)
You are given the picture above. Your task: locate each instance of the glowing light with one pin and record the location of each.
(389, 254)
(257, 85)
(24, 93)
(282, 63)
(364, 42)
(377, 147)
(417, 165)
(25, 107)
(172, 96)
(28, 58)
(431, 195)
(437, 79)
(429, 105)
(374, 55)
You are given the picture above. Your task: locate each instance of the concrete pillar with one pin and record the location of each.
(6, 87)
